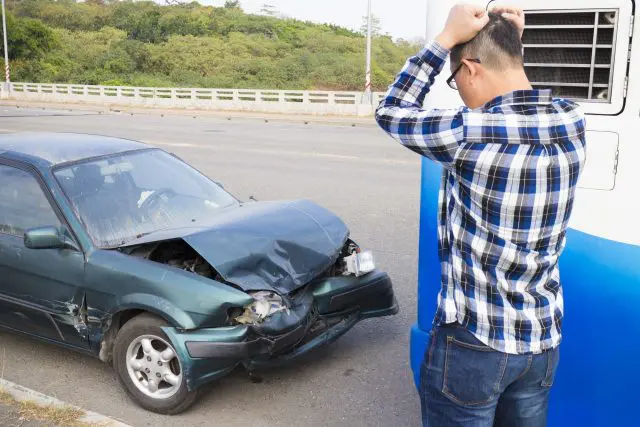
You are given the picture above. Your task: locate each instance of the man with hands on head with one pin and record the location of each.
(511, 160)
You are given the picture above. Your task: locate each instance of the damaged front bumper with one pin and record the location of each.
(319, 314)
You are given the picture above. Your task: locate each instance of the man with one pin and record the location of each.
(511, 159)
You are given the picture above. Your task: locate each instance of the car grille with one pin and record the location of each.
(571, 52)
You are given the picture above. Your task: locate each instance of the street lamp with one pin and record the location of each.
(7, 75)
(367, 98)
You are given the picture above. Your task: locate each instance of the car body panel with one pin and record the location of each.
(272, 245)
(42, 291)
(117, 282)
(50, 149)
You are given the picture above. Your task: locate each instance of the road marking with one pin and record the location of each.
(172, 144)
(284, 152)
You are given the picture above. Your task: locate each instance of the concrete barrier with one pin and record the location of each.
(263, 101)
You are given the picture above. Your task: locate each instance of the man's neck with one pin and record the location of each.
(511, 81)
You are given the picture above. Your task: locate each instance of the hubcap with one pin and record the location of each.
(153, 367)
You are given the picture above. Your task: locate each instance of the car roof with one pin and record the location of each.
(50, 149)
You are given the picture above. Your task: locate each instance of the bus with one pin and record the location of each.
(583, 50)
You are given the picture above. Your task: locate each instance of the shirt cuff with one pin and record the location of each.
(435, 55)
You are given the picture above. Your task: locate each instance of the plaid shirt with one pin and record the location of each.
(510, 174)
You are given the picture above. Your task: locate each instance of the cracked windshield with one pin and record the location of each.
(122, 198)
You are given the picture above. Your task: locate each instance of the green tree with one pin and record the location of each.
(232, 4)
(28, 38)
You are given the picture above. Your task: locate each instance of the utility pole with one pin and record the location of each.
(367, 98)
(426, 23)
(7, 74)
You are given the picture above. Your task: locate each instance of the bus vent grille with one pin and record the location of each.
(571, 52)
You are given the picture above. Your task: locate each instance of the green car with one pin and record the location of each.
(121, 250)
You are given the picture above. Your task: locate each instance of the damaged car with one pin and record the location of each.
(123, 251)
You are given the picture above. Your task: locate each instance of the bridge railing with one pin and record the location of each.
(267, 101)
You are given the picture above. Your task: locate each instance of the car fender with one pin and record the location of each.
(159, 306)
(185, 300)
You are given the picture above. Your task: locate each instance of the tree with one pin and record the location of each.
(376, 29)
(232, 4)
(28, 38)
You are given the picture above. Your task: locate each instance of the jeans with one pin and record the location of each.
(465, 383)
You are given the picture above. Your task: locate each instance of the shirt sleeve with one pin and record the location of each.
(434, 133)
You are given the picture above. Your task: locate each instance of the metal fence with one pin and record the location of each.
(266, 101)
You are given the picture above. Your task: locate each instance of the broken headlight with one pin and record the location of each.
(353, 261)
(265, 304)
(360, 263)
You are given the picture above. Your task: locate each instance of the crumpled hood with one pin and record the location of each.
(277, 246)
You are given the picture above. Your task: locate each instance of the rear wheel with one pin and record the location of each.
(148, 367)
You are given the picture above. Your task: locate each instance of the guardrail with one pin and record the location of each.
(266, 101)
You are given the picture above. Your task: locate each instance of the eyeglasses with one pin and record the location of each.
(451, 80)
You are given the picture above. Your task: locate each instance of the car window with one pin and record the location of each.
(23, 204)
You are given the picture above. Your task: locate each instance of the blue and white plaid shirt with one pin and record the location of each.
(510, 174)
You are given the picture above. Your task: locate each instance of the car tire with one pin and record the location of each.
(150, 373)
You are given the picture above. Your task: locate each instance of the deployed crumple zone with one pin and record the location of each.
(122, 251)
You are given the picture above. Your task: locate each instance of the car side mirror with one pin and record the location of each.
(47, 238)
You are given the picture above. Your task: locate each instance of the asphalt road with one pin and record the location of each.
(364, 378)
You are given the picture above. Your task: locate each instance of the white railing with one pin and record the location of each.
(266, 101)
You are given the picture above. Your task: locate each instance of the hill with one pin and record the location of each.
(143, 43)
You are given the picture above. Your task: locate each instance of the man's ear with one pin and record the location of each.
(473, 68)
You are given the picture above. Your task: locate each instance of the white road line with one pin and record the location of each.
(282, 152)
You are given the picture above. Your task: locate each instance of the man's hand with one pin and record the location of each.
(515, 15)
(464, 23)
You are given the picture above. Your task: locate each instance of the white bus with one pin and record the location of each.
(583, 50)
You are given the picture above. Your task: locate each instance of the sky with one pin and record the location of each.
(399, 18)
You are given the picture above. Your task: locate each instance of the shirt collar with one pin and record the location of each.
(521, 97)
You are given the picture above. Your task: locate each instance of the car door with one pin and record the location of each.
(41, 290)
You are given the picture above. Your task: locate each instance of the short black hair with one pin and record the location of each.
(497, 45)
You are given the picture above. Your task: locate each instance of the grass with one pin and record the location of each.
(51, 415)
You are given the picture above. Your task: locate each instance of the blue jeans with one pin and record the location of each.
(465, 383)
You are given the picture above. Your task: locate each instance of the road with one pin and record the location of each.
(364, 378)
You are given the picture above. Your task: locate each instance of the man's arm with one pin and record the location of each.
(432, 133)
(435, 134)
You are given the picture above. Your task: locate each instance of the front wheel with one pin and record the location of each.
(148, 367)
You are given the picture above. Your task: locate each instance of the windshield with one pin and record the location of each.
(122, 198)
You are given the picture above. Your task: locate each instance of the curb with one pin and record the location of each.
(21, 393)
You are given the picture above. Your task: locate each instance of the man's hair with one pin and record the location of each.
(497, 46)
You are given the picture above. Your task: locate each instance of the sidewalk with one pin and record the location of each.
(229, 115)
